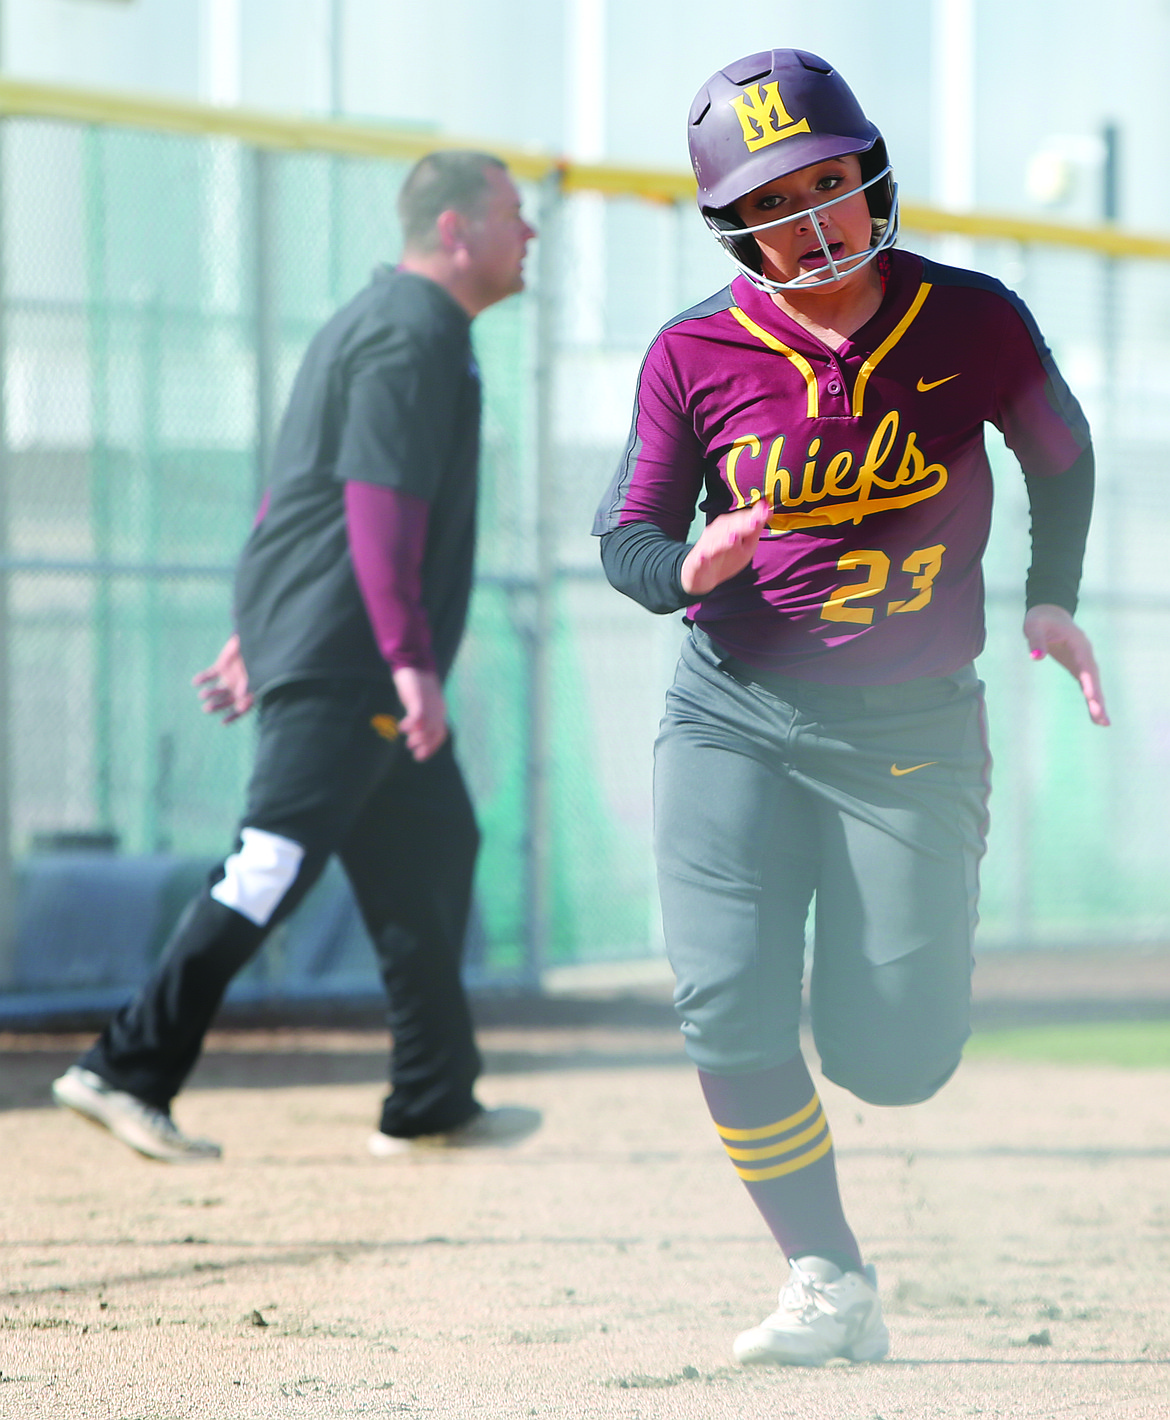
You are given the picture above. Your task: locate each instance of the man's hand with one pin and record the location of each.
(425, 722)
(1051, 631)
(725, 547)
(225, 684)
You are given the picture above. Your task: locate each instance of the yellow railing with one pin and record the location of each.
(22, 99)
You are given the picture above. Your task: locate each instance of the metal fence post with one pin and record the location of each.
(264, 298)
(101, 463)
(7, 876)
(541, 627)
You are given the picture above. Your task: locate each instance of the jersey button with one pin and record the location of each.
(834, 386)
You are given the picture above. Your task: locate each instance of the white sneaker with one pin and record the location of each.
(490, 1128)
(823, 1313)
(149, 1130)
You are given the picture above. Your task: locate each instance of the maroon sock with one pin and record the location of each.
(776, 1134)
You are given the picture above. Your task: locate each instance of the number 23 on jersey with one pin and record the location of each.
(923, 567)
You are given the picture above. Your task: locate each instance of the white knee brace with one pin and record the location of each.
(258, 876)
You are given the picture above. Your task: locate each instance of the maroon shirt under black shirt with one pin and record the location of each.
(362, 561)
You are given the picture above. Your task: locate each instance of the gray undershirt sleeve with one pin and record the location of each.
(1061, 508)
(641, 561)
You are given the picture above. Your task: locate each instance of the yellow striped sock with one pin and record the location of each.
(794, 1142)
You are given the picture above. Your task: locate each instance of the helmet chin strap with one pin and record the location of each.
(834, 268)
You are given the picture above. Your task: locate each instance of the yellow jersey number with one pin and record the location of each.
(923, 566)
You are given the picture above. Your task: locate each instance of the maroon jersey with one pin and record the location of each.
(871, 456)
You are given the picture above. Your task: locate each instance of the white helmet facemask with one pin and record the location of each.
(834, 268)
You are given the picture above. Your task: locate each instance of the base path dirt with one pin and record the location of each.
(1020, 1225)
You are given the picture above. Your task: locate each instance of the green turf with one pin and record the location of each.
(1130, 1043)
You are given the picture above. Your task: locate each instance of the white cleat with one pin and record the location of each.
(150, 1131)
(823, 1313)
(490, 1128)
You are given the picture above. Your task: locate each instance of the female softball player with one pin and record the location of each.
(823, 741)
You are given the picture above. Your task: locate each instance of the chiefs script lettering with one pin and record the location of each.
(831, 490)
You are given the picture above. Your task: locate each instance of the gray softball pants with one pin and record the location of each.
(772, 794)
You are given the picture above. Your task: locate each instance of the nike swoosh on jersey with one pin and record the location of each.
(894, 770)
(924, 385)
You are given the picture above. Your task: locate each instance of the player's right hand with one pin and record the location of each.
(725, 547)
(224, 684)
(424, 725)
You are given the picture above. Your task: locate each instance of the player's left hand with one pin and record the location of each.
(1051, 631)
(425, 723)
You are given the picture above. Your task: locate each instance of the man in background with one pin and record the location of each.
(350, 601)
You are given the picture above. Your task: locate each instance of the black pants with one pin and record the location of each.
(330, 777)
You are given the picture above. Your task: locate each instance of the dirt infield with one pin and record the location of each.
(1020, 1224)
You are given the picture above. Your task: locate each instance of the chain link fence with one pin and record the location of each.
(158, 289)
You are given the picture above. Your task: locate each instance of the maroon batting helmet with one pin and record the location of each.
(769, 115)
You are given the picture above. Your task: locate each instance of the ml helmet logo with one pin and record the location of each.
(764, 118)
